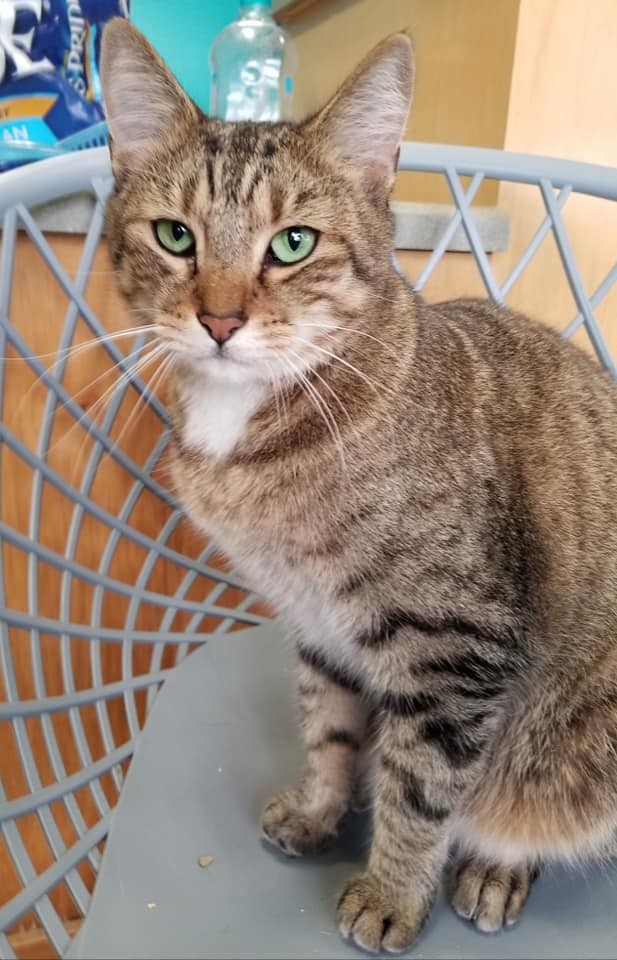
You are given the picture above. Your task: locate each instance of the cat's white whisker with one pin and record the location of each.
(70, 351)
(322, 408)
(377, 387)
(125, 376)
(362, 333)
(63, 352)
(141, 358)
(326, 385)
(105, 399)
(273, 384)
(141, 404)
(333, 341)
(283, 386)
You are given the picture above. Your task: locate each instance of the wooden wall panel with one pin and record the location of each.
(563, 104)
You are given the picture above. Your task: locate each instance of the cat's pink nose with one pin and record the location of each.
(221, 328)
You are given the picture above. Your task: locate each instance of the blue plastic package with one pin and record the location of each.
(49, 80)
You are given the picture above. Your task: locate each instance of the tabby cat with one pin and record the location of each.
(427, 495)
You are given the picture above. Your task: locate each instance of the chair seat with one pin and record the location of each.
(220, 738)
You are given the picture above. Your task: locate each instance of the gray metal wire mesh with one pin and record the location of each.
(56, 801)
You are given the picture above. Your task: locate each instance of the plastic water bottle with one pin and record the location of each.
(252, 62)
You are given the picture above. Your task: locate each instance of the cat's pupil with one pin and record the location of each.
(295, 238)
(177, 230)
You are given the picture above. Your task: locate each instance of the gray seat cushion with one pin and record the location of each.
(221, 737)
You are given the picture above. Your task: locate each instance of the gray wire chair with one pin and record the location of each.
(30, 712)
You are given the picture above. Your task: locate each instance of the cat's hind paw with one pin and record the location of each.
(489, 895)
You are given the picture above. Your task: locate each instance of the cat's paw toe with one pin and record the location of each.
(288, 826)
(489, 895)
(375, 920)
(361, 797)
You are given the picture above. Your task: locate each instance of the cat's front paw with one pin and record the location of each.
(287, 824)
(375, 919)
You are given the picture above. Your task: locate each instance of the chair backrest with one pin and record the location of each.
(86, 641)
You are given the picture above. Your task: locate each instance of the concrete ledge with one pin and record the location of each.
(69, 215)
(419, 226)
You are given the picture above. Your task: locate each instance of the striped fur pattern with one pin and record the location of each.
(426, 494)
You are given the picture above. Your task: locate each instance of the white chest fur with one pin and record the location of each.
(305, 606)
(217, 414)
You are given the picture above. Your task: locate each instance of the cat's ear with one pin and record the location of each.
(366, 119)
(143, 100)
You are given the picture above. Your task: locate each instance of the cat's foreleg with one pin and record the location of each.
(432, 753)
(305, 818)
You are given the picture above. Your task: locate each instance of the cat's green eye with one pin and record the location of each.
(175, 237)
(293, 244)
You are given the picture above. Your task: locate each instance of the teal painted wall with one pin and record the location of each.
(183, 31)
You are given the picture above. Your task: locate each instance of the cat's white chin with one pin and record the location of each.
(226, 369)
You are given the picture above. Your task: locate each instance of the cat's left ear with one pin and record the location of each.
(366, 119)
(143, 100)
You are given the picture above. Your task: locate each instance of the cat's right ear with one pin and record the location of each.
(365, 121)
(143, 100)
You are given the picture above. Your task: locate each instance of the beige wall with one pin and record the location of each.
(563, 102)
(464, 52)
(564, 86)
